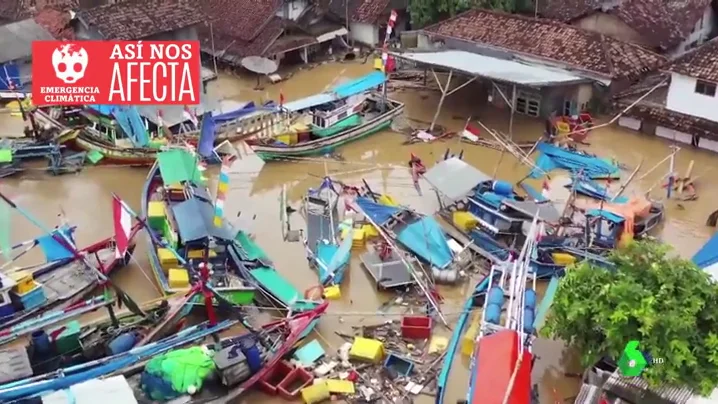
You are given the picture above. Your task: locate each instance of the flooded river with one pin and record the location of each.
(381, 160)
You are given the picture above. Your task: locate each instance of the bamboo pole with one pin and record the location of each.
(628, 181)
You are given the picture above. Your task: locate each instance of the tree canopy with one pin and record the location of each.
(424, 12)
(665, 302)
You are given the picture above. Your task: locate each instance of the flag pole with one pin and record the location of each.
(66, 243)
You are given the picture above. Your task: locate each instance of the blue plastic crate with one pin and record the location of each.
(33, 298)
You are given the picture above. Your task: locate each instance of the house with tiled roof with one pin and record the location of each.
(146, 19)
(368, 18)
(539, 67)
(276, 29)
(682, 105)
(666, 26)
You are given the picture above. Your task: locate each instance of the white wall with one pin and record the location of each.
(701, 32)
(683, 98)
(292, 9)
(367, 34)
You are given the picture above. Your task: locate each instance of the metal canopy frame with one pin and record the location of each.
(444, 88)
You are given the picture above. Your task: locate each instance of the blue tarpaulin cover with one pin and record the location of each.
(360, 85)
(195, 221)
(377, 212)
(205, 146)
(708, 254)
(592, 189)
(606, 215)
(553, 157)
(426, 239)
(54, 250)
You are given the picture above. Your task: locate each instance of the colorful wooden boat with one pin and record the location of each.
(71, 374)
(102, 136)
(260, 355)
(474, 301)
(325, 253)
(27, 293)
(179, 207)
(376, 116)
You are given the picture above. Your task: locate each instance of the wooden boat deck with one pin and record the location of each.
(65, 282)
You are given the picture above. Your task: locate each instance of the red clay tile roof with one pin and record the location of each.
(653, 108)
(233, 49)
(20, 9)
(366, 11)
(56, 22)
(551, 41)
(664, 23)
(701, 62)
(240, 19)
(142, 18)
(567, 10)
(369, 11)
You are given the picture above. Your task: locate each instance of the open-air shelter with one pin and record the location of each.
(512, 72)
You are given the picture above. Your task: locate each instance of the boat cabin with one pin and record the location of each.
(605, 228)
(327, 115)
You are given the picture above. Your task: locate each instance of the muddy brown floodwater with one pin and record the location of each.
(381, 160)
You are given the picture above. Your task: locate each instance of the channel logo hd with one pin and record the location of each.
(633, 361)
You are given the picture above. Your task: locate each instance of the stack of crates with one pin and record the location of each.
(29, 293)
(156, 215)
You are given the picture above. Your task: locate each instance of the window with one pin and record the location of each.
(706, 88)
(528, 103)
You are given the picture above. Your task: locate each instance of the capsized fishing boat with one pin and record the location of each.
(62, 281)
(421, 235)
(552, 157)
(237, 364)
(328, 120)
(325, 253)
(469, 197)
(179, 208)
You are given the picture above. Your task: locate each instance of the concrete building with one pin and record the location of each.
(368, 18)
(684, 106)
(16, 56)
(670, 27)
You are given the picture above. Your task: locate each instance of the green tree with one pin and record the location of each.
(663, 301)
(424, 12)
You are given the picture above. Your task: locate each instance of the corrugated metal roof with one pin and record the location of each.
(454, 178)
(510, 71)
(174, 114)
(636, 389)
(16, 39)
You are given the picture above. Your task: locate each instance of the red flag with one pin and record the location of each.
(123, 227)
(281, 99)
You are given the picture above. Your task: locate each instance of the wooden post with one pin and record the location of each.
(214, 54)
(444, 89)
(513, 108)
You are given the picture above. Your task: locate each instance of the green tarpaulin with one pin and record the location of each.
(178, 166)
(5, 156)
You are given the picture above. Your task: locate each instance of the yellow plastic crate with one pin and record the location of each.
(387, 200)
(563, 258)
(332, 292)
(167, 258)
(178, 278)
(24, 282)
(316, 393)
(340, 386)
(370, 231)
(156, 215)
(199, 254)
(366, 349)
(465, 220)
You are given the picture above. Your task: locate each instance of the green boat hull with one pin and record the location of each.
(344, 124)
(268, 156)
